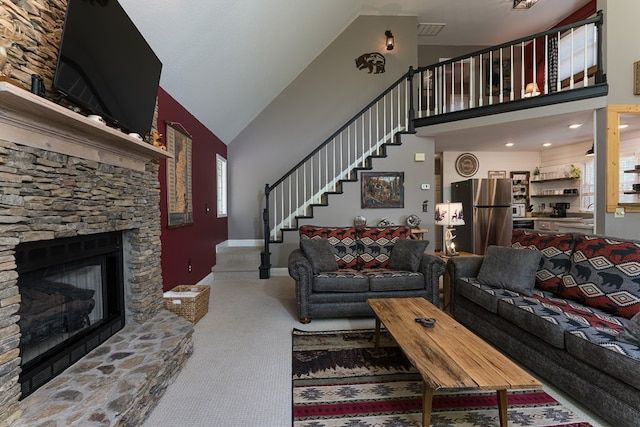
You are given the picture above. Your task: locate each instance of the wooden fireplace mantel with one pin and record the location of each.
(28, 119)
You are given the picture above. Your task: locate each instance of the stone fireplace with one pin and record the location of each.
(63, 176)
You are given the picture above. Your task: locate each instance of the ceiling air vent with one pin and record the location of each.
(429, 30)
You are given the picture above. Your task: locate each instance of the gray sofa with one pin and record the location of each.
(336, 269)
(566, 328)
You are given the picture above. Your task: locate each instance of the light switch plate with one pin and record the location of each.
(619, 213)
(425, 186)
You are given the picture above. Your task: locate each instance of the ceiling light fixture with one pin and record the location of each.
(590, 151)
(390, 40)
(575, 126)
(509, 144)
(623, 126)
(546, 144)
(523, 4)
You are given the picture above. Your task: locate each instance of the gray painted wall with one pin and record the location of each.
(331, 89)
(344, 208)
(429, 55)
(321, 99)
(620, 54)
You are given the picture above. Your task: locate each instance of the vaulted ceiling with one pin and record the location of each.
(226, 60)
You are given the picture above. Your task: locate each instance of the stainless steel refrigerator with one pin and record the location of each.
(487, 211)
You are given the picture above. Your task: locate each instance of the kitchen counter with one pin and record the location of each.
(577, 224)
(561, 219)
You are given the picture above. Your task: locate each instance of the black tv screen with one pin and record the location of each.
(106, 66)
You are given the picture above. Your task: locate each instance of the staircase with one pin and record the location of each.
(502, 78)
(236, 262)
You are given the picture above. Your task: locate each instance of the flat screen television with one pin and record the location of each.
(106, 66)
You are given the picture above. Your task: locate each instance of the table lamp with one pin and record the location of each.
(449, 214)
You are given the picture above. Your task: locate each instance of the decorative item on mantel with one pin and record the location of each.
(7, 41)
(155, 138)
(449, 214)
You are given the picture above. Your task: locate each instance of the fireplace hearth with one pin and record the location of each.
(72, 301)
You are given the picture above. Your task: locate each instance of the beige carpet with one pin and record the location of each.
(240, 372)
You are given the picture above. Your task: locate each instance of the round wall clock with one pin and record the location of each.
(467, 164)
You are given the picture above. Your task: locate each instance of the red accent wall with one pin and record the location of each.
(194, 243)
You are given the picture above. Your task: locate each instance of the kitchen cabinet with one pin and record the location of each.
(545, 225)
(564, 225)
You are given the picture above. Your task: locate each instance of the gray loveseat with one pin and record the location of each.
(568, 327)
(336, 269)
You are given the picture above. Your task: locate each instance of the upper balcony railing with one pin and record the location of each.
(549, 62)
(554, 61)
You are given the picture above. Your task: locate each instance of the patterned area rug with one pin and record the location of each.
(340, 380)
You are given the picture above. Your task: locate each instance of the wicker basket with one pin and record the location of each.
(192, 308)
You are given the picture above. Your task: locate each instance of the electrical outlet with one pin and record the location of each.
(425, 186)
(619, 213)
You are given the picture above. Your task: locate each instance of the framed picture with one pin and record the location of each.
(493, 75)
(179, 178)
(382, 190)
(497, 174)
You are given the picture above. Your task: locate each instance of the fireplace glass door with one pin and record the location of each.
(71, 301)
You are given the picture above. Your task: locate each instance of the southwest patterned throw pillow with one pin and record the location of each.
(375, 245)
(605, 274)
(556, 252)
(342, 239)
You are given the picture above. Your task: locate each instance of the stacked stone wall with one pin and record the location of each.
(40, 22)
(46, 195)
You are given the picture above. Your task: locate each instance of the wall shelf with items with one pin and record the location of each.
(633, 191)
(556, 187)
(556, 195)
(534, 181)
(520, 187)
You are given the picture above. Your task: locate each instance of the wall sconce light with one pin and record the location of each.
(523, 4)
(531, 90)
(590, 151)
(390, 40)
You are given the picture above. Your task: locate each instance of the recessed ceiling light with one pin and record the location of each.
(575, 126)
(546, 144)
(623, 126)
(509, 144)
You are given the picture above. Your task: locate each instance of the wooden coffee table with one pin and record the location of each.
(449, 357)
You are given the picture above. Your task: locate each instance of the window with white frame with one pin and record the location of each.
(577, 51)
(221, 185)
(588, 192)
